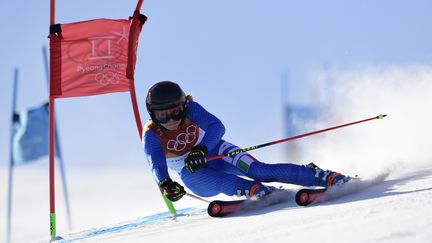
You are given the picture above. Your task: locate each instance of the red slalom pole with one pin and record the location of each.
(53, 225)
(292, 138)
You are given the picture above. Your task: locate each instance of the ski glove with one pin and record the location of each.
(171, 189)
(196, 158)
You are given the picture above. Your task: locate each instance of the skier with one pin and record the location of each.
(181, 134)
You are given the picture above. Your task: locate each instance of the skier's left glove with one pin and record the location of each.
(171, 189)
(196, 158)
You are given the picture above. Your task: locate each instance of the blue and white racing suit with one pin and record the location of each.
(168, 149)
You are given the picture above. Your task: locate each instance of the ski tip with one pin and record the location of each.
(302, 198)
(305, 196)
(214, 209)
(381, 116)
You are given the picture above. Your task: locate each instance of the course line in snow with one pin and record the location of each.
(138, 223)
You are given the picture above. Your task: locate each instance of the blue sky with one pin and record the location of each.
(228, 54)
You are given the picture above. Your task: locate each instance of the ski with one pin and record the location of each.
(305, 197)
(309, 196)
(219, 208)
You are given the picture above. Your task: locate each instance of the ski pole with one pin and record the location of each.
(196, 197)
(291, 138)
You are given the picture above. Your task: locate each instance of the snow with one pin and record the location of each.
(396, 210)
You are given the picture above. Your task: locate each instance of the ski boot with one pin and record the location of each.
(258, 191)
(328, 178)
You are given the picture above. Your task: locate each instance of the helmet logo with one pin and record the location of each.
(182, 139)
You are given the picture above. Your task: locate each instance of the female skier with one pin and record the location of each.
(181, 134)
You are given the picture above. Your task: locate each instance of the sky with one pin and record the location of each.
(231, 56)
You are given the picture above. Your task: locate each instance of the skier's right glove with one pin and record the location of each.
(171, 189)
(196, 158)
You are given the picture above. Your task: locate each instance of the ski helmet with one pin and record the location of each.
(165, 95)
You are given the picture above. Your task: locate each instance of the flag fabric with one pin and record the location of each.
(90, 57)
(30, 135)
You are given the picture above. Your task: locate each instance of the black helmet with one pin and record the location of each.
(165, 95)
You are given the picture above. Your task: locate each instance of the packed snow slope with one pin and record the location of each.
(396, 210)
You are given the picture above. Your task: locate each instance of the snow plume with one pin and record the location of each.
(401, 141)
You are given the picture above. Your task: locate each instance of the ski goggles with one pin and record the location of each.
(163, 116)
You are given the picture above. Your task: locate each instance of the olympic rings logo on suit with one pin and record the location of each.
(183, 139)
